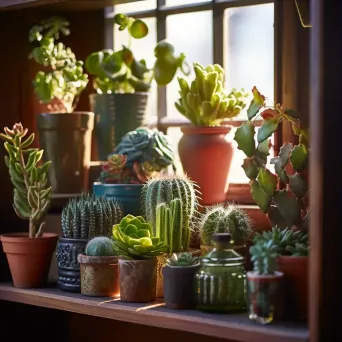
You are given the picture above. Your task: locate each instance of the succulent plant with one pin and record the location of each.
(299, 249)
(264, 257)
(100, 246)
(31, 193)
(205, 102)
(285, 208)
(231, 220)
(182, 260)
(172, 226)
(159, 190)
(133, 239)
(89, 216)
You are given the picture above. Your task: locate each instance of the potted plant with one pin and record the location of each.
(82, 219)
(137, 249)
(179, 281)
(122, 83)
(65, 138)
(265, 283)
(141, 154)
(99, 269)
(205, 149)
(28, 254)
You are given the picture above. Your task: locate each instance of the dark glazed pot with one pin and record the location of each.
(180, 286)
(68, 267)
(206, 154)
(66, 140)
(138, 280)
(116, 115)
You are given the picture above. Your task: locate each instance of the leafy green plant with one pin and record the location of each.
(264, 257)
(141, 154)
(63, 78)
(133, 239)
(122, 72)
(231, 220)
(100, 246)
(286, 207)
(90, 216)
(299, 249)
(205, 102)
(182, 260)
(31, 193)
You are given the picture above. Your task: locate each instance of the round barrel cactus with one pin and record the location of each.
(100, 246)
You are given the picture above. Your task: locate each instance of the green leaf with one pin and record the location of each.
(268, 181)
(44, 168)
(282, 159)
(250, 169)
(299, 157)
(267, 128)
(256, 104)
(283, 177)
(288, 206)
(276, 218)
(33, 175)
(292, 113)
(298, 184)
(262, 152)
(31, 161)
(138, 29)
(28, 141)
(261, 198)
(244, 136)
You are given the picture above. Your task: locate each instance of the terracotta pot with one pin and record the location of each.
(29, 258)
(206, 154)
(296, 286)
(138, 280)
(99, 275)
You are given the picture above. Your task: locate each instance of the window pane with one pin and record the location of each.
(190, 33)
(174, 134)
(136, 6)
(249, 55)
(142, 49)
(183, 2)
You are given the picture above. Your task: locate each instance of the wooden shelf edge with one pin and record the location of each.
(232, 327)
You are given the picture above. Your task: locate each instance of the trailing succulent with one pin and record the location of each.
(141, 154)
(205, 101)
(286, 207)
(231, 220)
(89, 216)
(65, 79)
(182, 260)
(100, 246)
(133, 239)
(29, 178)
(122, 72)
(264, 257)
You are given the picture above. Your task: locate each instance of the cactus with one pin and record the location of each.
(31, 193)
(205, 102)
(90, 216)
(264, 257)
(286, 208)
(164, 190)
(182, 260)
(100, 246)
(133, 239)
(231, 220)
(172, 226)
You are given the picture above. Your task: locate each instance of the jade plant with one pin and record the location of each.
(141, 154)
(89, 216)
(31, 193)
(63, 78)
(285, 207)
(133, 239)
(122, 72)
(205, 102)
(230, 219)
(182, 260)
(100, 246)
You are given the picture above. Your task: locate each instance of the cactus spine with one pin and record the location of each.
(172, 226)
(100, 246)
(90, 216)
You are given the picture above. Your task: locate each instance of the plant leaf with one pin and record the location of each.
(268, 181)
(250, 169)
(288, 206)
(298, 184)
(261, 198)
(276, 218)
(267, 128)
(292, 113)
(299, 157)
(255, 105)
(282, 159)
(138, 29)
(244, 136)
(262, 152)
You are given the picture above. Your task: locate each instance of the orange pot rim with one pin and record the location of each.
(24, 237)
(192, 129)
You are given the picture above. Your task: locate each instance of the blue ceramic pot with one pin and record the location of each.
(129, 195)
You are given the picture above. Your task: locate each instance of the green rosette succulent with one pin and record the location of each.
(182, 260)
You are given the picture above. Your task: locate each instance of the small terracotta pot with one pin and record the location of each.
(296, 286)
(29, 259)
(138, 280)
(99, 275)
(206, 154)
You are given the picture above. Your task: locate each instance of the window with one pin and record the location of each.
(238, 34)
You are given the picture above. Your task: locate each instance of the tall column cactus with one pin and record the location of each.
(31, 193)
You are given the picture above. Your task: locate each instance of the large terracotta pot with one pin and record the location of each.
(29, 258)
(206, 154)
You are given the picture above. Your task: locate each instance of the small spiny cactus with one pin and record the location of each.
(182, 260)
(100, 246)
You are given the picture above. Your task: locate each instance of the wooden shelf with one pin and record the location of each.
(230, 327)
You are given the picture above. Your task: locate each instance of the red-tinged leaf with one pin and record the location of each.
(269, 114)
(251, 170)
(255, 105)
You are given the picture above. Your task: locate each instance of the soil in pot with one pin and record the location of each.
(99, 275)
(29, 259)
(138, 280)
(206, 154)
